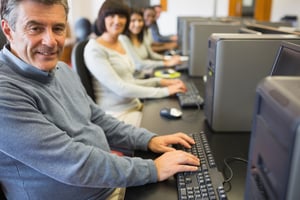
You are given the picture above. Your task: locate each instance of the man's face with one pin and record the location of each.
(39, 35)
(149, 16)
(157, 12)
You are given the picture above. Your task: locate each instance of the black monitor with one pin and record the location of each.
(274, 155)
(287, 61)
(249, 31)
(267, 29)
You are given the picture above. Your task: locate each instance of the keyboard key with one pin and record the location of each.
(191, 98)
(207, 182)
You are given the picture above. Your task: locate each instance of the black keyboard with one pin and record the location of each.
(191, 98)
(207, 182)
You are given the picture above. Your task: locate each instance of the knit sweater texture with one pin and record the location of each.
(116, 89)
(143, 56)
(55, 141)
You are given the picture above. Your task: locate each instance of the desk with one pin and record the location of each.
(222, 145)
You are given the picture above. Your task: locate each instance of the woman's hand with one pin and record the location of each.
(174, 85)
(168, 82)
(172, 61)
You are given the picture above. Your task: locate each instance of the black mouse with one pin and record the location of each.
(171, 113)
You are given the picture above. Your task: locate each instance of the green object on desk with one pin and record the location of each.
(167, 73)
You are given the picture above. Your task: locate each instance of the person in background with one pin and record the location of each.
(54, 140)
(141, 50)
(151, 33)
(155, 29)
(116, 90)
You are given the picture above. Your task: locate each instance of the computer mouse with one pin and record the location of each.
(168, 71)
(170, 113)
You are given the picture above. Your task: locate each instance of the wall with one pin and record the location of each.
(176, 8)
(211, 8)
(285, 7)
(167, 22)
(88, 9)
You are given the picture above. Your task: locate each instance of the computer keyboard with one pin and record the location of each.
(191, 98)
(207, 182)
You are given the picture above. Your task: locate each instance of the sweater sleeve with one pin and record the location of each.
(152, 54)
(139, 63)
(157, 37)
(49, 140)
(99, 62)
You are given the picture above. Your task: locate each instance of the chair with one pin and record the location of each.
(82, 29)
(79, 66)
(2, 196)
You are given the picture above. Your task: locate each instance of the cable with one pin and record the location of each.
(227, 166)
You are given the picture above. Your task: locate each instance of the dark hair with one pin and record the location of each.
(9, 9)
(111, 7)
(156, 5)
(141, 34)
(149, 8)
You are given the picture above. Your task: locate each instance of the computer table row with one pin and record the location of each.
(223, 145)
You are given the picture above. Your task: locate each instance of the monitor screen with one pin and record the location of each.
(287, 61)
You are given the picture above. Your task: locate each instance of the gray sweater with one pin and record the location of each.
(116, 89)
(55, 142)
(143, 56)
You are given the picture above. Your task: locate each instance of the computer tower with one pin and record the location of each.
(183, 24)
(274, 155)
(236, 64)
(198, 43)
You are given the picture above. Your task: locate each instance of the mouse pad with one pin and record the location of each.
(167, 73)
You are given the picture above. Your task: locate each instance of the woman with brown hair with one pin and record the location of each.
(107, 58)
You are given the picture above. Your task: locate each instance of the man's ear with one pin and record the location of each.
(6, 30)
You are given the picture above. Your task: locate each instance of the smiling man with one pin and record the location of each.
(34, 38)
(54, 140)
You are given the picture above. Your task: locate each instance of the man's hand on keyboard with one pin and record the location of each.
(173, 162)
(161, 144)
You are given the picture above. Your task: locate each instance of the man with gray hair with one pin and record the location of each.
(55, 142)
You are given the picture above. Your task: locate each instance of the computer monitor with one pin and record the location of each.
(236, 64)
(183, 31)
(198, 42)
(287, 61)
(249, 31)
(274, 154)
(268, 29)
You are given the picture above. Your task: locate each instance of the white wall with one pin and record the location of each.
(88, 9)
(285, 7)
(168, 20)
